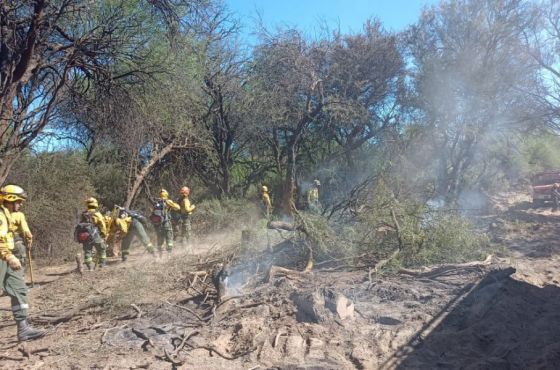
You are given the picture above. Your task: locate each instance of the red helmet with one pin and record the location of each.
(185, 190)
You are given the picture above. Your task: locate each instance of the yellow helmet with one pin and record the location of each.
(163, 194)
(91, 202)
(12, 193)
(264, 188)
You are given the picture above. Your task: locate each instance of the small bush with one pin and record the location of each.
(446, 238)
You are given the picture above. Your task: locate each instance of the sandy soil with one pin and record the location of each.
(480, 316)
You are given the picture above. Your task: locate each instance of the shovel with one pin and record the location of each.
(30, 266)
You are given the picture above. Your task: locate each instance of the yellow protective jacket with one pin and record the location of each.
(266, 200)
(313, 195)
(119, 228)
(20, 227)
(99, 221)
(6, 234)
(186, 207)
(171, 205)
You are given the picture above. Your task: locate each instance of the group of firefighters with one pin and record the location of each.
(95, 231)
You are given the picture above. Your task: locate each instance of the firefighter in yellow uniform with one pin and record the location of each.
(161, 219)
(23, 238)
(186, 210)
(97, 238)
(124, 227)
(266, 204)
(11, 275)
(313, 197)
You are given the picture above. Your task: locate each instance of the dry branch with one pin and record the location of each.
(184, 341)
(138, 310)
(281, 270)
(69, 315)
(10, 358)
(212, 349)
(186, 309)
(382, 263)
(169, 357)
(441, 269)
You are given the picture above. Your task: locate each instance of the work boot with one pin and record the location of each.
(102, 264)
(124, 258)
(89, 266)
(27, 332)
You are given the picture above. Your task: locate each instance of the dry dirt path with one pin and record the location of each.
(449, 317)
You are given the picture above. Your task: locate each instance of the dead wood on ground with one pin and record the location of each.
(439, 270)
(273, 270)
(70, 314)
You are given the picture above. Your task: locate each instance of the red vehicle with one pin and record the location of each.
(542, 186)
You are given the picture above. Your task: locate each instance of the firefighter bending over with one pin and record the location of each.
(125, 227)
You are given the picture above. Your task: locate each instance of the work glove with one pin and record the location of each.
(13, 262)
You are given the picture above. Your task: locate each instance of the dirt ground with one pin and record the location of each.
(503, 313)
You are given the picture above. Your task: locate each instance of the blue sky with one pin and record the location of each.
(395, 15)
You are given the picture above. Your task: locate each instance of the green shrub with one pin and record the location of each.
(445, 238)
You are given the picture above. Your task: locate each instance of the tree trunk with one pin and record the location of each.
(288, 198)
(6, 164)
(226, 183)
(145, 171)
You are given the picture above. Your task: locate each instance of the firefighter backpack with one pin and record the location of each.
(138, 216)
(86, 231)
(158, 213)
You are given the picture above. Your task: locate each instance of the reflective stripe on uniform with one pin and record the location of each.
(23, 306)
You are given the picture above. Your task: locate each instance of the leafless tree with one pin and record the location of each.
(49, 47)
(473, 82)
